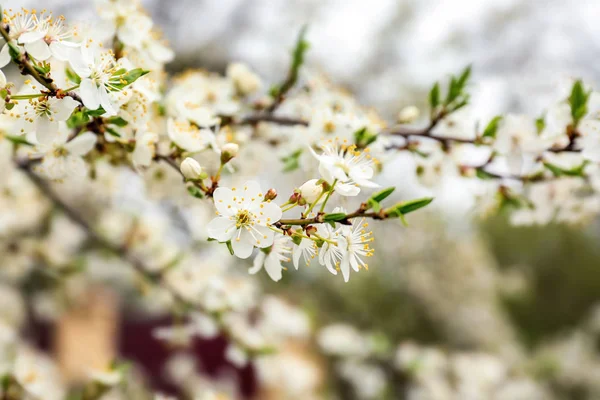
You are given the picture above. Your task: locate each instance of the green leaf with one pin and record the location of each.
(95, 113)
(434, 96)
(363, 138)
(559, 171)
(118, 121)
(18, 140)
(578, 101)
(299, 52)
(482, 174)
(374, 204)
(78, 119)
(457, 106)
(72, 76)
(195, 191)
(112, 132)
(229, 247)
(492, 127)
(456, 89)
(382, 194)
(540, 124)
(556, 171)
(120, 79)
(334, 217)
(464, 77)
(409, 206)
(274, 91)
(291, 162)
(43, 68)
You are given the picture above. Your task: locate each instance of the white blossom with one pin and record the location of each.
(189, 137)
(42, 115)
(244, 218)
(350, 168)
(63, 157)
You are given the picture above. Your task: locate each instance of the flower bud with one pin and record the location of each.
(229, 151)
(191, 169)
(311, 190)
(271, 194)
(294, 197)
(408, 115)
(310, 230)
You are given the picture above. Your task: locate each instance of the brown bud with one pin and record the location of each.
(294, 198)
(271, 194)
(310, 230)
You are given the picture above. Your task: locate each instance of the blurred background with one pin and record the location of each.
(388, 51)
(528, 296)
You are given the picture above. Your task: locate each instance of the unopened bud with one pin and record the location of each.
(311, 190)
(294, 198)
(191, 169)
(229, 151)
(271, 194)
(310, 230)
(408, 115)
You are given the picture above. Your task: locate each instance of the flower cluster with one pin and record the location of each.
(145, 170)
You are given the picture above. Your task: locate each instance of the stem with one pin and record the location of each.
(288, 208)
(328, 195)
(313, 204)
(360, 213)
(218, 174)
(26, 96)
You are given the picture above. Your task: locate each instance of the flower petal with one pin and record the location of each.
(346, 189)
(345, 268)
(267, 213)
(39, 50)
(82, 144)
(242, 247)
(106, 102)
(60, 51)
(273, 268)
(261, 236)
(221, 229)
(46, 130)
(33, 36)
(89, 94)
(258, 263)
(64, 107)
(251, 191)
(223, 199)
(4, 56)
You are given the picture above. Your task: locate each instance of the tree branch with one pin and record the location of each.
(26, 68)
